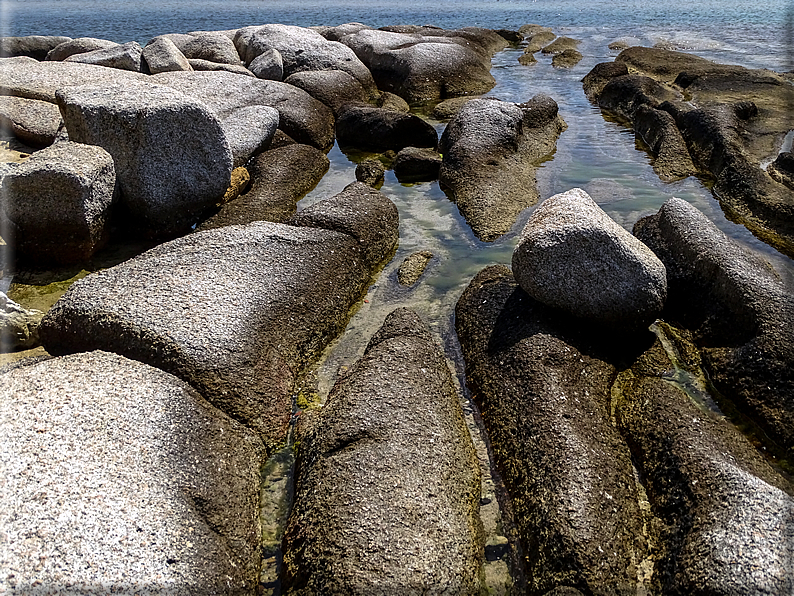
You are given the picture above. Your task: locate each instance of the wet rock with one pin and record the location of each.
(361, 212)
(490, 150)
(447, 109)
(544, 389)
(574, 257)
(33, 122)
(412, 268)
(19, 327)
(302, 117)
(237, 312)
(417, 165)
(512, 37)
(374, 129)
(422, 68)
(567, 58)
(124, 57)
(618, 45)
(57, 203)
(527, 59)
(782, 169)
(280, 178)
(209, 66)
(268, 65)
(388, 484)
(32, 46)
(79, 45)
(531, 29)
(335, 88)
(561, 44)
(538, 40)
(390, 101)
(166, 178)
(209, 46)
(162, 55)
(741, 313)
(624, 95)
(118, 474)
(371, 172)
(595, 81)
(248, 130)
(658, 130)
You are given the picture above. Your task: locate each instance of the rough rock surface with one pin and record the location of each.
(119, 478)
(574, 257)
(209, 66)
(162, 55)
(57, 203)
(544, 389)
(335, 88)
(237, 312)
(390, 101)
(559, 45)
(209, 46)
(375, 129)
(388, 482)
(658, 130)
(490, 150)
(782, 169)
(31, 46)
(79, 45)
(742, 314)
(124, 57)
(300, 115)
(166, 177)
(33, 122)
(248, 130)
(19, 327)
(568, 58)
(447, 109)
(279, 179)
(268, 65)
(371, 172)
(415, 165)
(412, 268)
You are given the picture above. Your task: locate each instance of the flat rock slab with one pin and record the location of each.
(120, 478)
(236, 312)
(387, 495)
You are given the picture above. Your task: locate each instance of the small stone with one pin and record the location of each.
(413, 267)
(370, 172)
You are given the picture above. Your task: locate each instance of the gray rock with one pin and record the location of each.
(422, 68)
(568, 58)
(417, 165)
(268, 65)
(527, 59)
(166, 177)
(209, 66)
(237, 312)
(212, 47)
(162, 55)
(338, 32)
(371, 172)
(561, 44)
(335, 88)
(118, 478)
(574, 257)
(302, 49)
(124, 57)
(389, 484)
(301, 116)
(490, 149)
(280, 178)
(79, 45)
(57, 203)
(369, 128)
(33, 122)
(32, 46)
(19, 327)
(361, 212)
(544, 392)
(248, 130)
(412, 268)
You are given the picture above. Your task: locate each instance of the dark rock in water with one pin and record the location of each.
(57, 203)
(417, 165)
(513, 37)
(371, 172)
(726, 518)
(573, 256)
(33, 122)
(121, 475)
(361, 212)
(782, 169)
(167, 178)
(624, 95)
(375, 129)
(388, 484)
(124, 57)
(527, 59)
(595, 81)
(412, 268)
(335, 88)
(544, 393)
(162, 55)
(559, 45)
(742, 314)
(80, 45)
(19, 327)
(568, 58)
(209, 66)
(490, 150)
(268, 65)
(237, 312)
(32, 46)
(280, 178)
(658, 130)
(539, 39)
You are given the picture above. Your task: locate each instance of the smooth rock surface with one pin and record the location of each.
(335, 88)
(125, 57)
(33, 122)
(209, 46)
(79, 45)
(162, 55)
(374, 129)
(268, 65)
(199, 64)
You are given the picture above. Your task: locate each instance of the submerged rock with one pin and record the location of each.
(413, 267)
(568, 58)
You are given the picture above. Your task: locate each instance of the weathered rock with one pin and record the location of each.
(527, 59)
(531, 29)
(338, 32)
(658, 130)
(415, 165)
(124, 57)
(422, 68)
(280, 178)
(740, 311)
(447, 109)
(32, 46)
(57, 203)
(544, 392)
(19, 327)
(119, 476)
(726, 520)
(209, 46)
(512, 37)
(166, 177)
(624, 95)
(248, 130)
(237, 312)
(268, 65)
(782, 169)
(238, 185)
(335, 88)
(490, 149)
(561, 44)
(568, 58)
(361, 212)
(79, 45)
(33, 122)
(603, 72)
(538, 40)
(162, 55)
(412, 268)
(209, 66)
(388, 485)
(371, 172)
(390, 101)
(301, 116)
(618, 45)
(574, 257)
(369, 128)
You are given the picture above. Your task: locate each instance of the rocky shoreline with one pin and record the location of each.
(135, 446)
